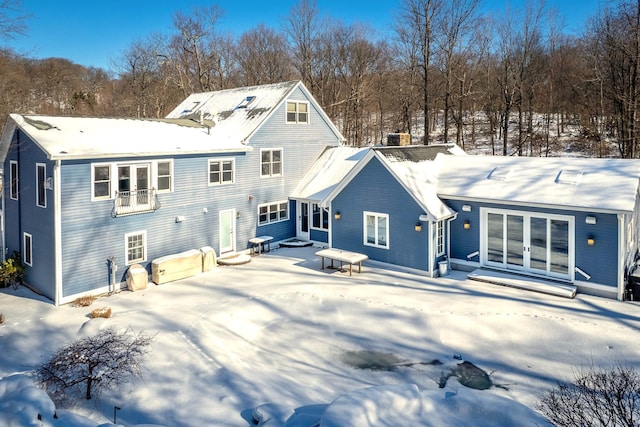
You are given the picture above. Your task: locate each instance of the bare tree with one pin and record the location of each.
(596, 397)
(302, 27)
(106, 360)
(263, 57)
(12, 19)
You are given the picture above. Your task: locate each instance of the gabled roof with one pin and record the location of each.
(413, 168)
(238, 113)
(91, 137)
(606, 185)
(327, 172)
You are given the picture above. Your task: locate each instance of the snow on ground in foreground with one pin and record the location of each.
(266, 341)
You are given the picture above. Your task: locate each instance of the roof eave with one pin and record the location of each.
(150, 154)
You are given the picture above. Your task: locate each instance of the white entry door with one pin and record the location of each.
(227, 231)
(303, 222)
(529, 242)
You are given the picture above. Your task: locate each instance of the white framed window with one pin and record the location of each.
(221, 171)
(269, 213)
(135, 247)
(13, 179)
(101, 178)
(319, 217)
(297, 112)
(164, 176)
(376, 229)
(439, 238)
(27, 249)
(41, 185)
(271, 162)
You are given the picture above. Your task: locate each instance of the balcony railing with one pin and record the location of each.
(135, 202)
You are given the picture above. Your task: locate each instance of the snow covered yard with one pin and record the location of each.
(266, 338)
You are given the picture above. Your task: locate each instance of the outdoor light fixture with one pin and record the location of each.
(591, 241)
(337, 215)
(180, 218)
(590, 220)
(418, 227)
(467, 224)
(466, 208)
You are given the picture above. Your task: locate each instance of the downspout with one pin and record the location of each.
(4, 214)
(57, 232)
(621, 258)
(448, 232)
(431, 255)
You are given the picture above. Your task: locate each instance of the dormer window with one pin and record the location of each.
(297, 112)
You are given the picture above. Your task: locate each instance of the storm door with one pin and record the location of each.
(528, 242)
(303, 220)
(227, 230)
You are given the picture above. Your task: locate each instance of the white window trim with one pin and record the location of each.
(24, 249)
(155, 175)
(233, 170)
(11, 179)
(271, 175)
(323, 212)
(113, 175)
(42, 184)
(377, 215)
(144, 247)
(278, 203)
(296, 122)
(93, 181)
(440, 237)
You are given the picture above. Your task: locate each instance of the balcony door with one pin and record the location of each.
(529, 242)
(134, 183)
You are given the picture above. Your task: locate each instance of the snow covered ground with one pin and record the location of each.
(280, 341)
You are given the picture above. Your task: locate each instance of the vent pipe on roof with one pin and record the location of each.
(201, 117)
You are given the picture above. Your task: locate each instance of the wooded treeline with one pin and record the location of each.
(515, 81)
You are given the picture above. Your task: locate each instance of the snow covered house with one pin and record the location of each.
(571, 222)
(80, 192)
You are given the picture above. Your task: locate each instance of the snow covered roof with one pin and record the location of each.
(238, 113)
(327, 172)
(91, 137)
(412, 166)
(587, 184)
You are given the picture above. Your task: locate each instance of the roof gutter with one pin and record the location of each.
(59, 157)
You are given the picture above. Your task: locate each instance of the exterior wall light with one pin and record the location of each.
(337, 215)
(418, 227)
(591, 241)
(466, 208)
(467, 224)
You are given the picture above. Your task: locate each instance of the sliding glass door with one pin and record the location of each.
(528, 242)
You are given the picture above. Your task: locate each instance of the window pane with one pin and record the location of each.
(495, 239)
(101, 189)
(291, 106)
(214, 172)
(276, 156)
(266, 156)
(101, 173)
(283, 211)
(316, 215)
(276, 169)
(382, 231)
(164, 168)
(371, 229)
(41, 185)
(164, 183)
(559, 246)
(124, 181)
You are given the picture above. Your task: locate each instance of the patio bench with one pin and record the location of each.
(344, 257)
(258, 242)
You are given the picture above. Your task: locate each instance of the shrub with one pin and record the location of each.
(596, 397)
(84, 301)
(104, 312)
(1, 318)
(91, 364)
(11, 271)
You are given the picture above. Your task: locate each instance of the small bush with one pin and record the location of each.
(104, 312)
(84, 301)
(11, 271)
(1, 318)
(597, 397)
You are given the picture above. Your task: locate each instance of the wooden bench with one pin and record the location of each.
(344, 257)
(259, 243)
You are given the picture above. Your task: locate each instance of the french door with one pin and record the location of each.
(529, 242)
(133, 184)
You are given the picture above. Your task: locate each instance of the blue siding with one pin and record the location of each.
(90, 235)
(599, 261)
(319, 235)
(23, 216)
(374, 189)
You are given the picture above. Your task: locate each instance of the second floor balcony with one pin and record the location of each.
(135, 202)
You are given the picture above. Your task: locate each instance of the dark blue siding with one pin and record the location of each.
(24, 216)
(599, 261)
(319, 235)
(374, 189)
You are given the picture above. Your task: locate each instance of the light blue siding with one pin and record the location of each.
(375, 190)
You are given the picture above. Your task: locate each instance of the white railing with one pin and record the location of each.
(134, 202)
